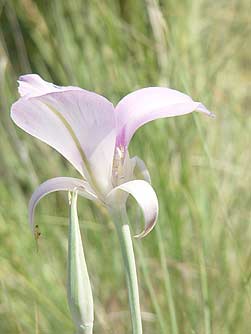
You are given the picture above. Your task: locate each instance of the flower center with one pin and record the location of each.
(118, 173)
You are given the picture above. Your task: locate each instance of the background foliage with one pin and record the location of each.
(195, 267)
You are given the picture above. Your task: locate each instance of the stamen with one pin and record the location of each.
(118, 164)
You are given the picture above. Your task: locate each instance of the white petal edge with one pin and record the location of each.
(58, 184)
(146, 197)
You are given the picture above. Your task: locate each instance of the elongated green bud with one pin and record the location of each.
(79, 288)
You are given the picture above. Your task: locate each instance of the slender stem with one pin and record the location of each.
(79, 287)
(125, 239)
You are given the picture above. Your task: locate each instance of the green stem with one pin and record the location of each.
(78, 288)
(125, 239)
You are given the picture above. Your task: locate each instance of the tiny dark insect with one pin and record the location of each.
(37, 234)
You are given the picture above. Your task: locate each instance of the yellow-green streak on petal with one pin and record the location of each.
(76, 141)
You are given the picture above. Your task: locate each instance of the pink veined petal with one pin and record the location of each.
(32, 85)
(146, 197)
(77, 123)
(147, 104)
(58, 184)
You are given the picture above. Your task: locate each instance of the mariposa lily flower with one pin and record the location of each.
(94, 136)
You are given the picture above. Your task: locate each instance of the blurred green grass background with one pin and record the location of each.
(195, 267)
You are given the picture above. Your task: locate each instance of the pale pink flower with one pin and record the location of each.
(93, 136)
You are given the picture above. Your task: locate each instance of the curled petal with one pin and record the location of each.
(77, 123)
(58, 184)
(147, 104)
(146, 197)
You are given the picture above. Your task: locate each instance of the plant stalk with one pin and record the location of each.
(125, 240)
(78, 288)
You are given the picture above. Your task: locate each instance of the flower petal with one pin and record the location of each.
(32, 85)
(144, 194)
(58, 184)
(147, 104)
(77, 123)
